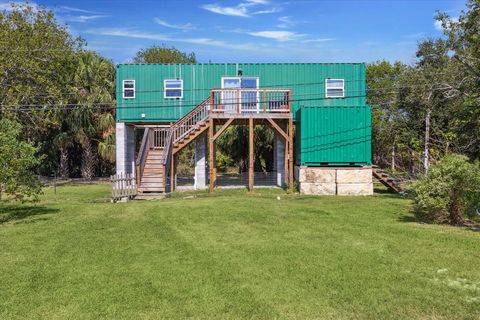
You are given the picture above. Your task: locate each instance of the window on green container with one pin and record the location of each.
(128, 89)
(173, 88)
(334, 88)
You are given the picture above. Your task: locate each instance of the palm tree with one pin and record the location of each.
(63, 141)
(94, 79)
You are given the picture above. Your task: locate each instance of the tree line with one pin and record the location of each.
(430, 108)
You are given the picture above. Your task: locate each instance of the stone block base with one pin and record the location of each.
(320, 188)
(335, 181)
(355, 189)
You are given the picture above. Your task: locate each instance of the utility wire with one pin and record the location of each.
(286, 85)
(131, 104)
(107, 107)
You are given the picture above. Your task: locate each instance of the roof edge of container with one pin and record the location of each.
(244, 63)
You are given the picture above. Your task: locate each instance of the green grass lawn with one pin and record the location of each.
(232, 255)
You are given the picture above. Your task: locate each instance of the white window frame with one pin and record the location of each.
(123, 89)
(165, 88)
(240, 88)
(329, 87)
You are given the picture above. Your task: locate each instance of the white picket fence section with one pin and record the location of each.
(124, 185)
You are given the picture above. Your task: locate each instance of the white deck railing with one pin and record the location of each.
(248, 101)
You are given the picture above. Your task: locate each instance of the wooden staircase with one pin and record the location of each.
(159, 145)
(153, 176)
(385, 179)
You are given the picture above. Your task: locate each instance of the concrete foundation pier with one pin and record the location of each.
(125, 148)
(201, 162)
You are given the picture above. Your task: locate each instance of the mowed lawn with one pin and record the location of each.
(232, 255)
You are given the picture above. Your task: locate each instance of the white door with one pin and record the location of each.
(248, 100)
(229, 97)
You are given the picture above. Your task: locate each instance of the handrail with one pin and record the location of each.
(142, 155)
(166, 156)
(251, 89)
(191, 120)
(167, 148)
(233, 100)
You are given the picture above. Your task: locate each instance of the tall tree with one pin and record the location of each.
(464, 44)
(163, 54)
(387, 122)
(94, 79)
(38, 57)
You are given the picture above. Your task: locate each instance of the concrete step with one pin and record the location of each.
(150, 189)
(152, 185)
(151, 196)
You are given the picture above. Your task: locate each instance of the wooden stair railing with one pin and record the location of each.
(191, 121)
(386, 180)
(142, 155)
(166, 157)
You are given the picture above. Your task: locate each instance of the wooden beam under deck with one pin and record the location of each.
(223, 128)
(246, 116)
(279, 130)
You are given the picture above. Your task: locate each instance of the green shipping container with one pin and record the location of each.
(306, 81)
(329, 131)
(333, 136)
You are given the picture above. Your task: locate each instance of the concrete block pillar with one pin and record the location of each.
(201, 162)
(279, 159)
(125, 148)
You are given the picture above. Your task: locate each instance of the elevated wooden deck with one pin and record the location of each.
(224, 107)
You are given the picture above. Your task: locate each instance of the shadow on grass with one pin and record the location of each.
(467, 225)
(15, 212)
(409, 218)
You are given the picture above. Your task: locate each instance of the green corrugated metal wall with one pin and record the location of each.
(328, 131)
(338, 136)
(306, 80)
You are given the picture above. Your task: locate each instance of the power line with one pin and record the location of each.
(105, 106)
(182, 103)
(119, 92)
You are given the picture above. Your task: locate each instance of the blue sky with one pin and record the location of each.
(256, 30)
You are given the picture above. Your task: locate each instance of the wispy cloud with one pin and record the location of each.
(132, 33)
(228, 11)
(184, 27)
(271, 10)
(85, 18)
(317, 40)
(277, 35)
(73, 9)
(286, 22)
(243, 9)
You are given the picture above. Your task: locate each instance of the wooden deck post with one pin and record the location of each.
(285, 156)
(290, 154)
(211, 156)
(172, 173)
(250, 156)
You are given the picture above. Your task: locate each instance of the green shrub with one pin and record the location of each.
(450, 192)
